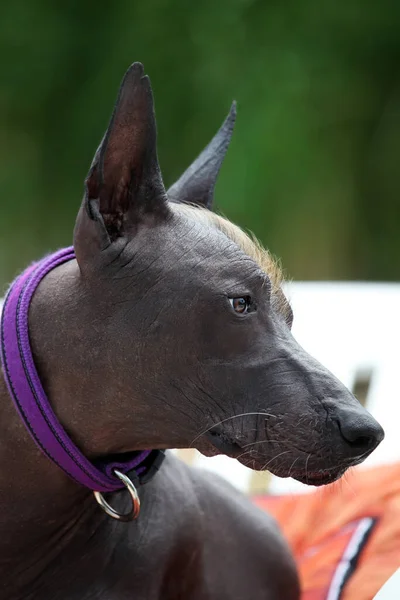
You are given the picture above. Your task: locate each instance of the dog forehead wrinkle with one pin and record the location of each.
(249, 246)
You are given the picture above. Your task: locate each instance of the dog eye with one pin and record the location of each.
(241, 304)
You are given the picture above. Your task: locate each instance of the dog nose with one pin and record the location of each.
(360, 430)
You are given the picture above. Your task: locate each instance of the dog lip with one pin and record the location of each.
(220, 442)
(317, 478)
(223, 443)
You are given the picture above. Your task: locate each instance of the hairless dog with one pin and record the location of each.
(164, 326)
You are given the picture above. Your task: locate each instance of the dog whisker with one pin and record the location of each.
(246, 414)
(262, 442)
(306, 466)
(293, 463)
(274, 458)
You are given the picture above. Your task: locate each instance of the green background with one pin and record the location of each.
(313, 168)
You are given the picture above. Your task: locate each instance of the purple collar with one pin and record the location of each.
(31, 401)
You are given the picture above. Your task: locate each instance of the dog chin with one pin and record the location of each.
(318, 478)
(315, 478)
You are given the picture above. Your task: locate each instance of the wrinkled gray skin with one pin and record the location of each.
(138, 346)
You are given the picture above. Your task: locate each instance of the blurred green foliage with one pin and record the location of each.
(313, 167)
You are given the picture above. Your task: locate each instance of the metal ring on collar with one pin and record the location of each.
(133, 513)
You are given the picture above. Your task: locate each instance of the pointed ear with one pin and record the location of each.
(196, 186)
(124, 182)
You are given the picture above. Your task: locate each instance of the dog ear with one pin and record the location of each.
(196, 185)
(124, 183)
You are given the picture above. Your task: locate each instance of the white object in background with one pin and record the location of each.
(391, 589)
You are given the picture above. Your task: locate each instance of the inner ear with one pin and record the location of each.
(124, 182)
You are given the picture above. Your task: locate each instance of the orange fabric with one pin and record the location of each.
(319, 526)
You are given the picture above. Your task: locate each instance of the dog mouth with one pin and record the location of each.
(220, 443)
(318, 478)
